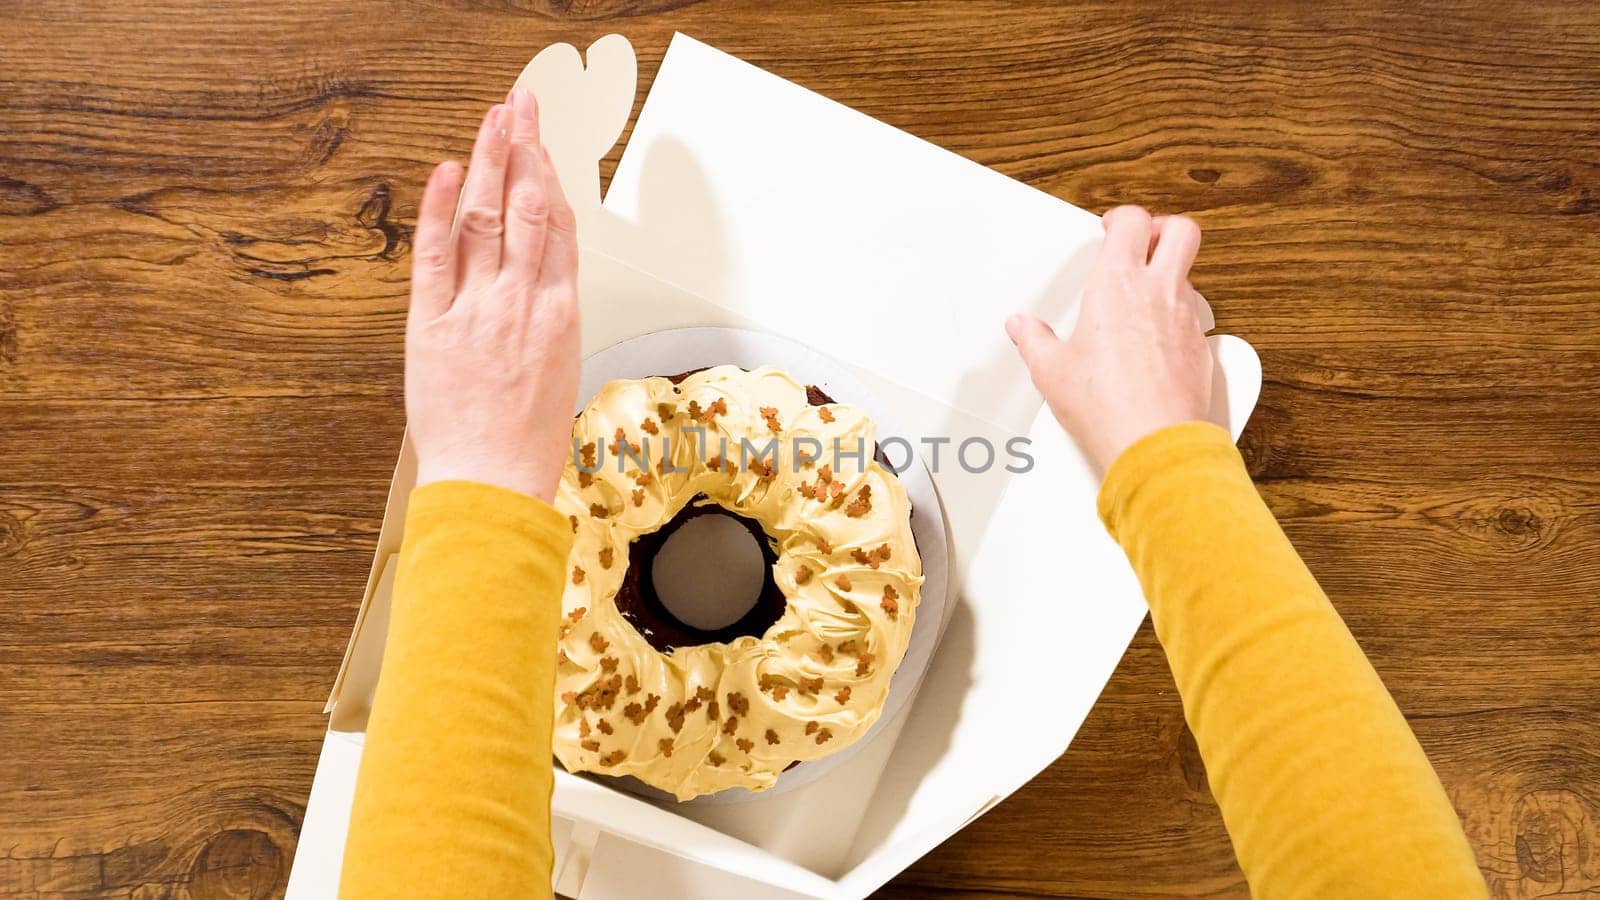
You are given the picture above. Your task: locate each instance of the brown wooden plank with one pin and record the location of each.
(204, 240)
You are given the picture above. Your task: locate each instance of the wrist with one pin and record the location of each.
(523, 479)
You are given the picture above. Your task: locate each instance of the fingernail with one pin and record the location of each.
(524, 106)
(499, 124)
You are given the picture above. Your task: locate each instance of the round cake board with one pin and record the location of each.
(685, 349)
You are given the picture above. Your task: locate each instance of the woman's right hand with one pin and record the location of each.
(492, 338)
(1137, 360)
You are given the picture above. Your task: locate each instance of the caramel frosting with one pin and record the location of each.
(713, 716)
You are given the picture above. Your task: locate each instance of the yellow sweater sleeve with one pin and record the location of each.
(453, 796)
(1323, 788)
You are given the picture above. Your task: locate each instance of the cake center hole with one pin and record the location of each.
(709, 573)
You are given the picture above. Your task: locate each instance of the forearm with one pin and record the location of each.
(1323, 787)
(453, 796)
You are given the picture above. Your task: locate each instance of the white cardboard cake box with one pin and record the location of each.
(744, 200)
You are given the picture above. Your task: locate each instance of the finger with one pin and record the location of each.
(433, 276)
(1176, 247)
(1032, 337)
(480, 224)
(527, 202)
(1203, 316)
(560, 266)
(1155, 232)
(1128, 235)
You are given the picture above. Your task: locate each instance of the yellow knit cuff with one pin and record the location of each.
(487, 503)
(1159, 452)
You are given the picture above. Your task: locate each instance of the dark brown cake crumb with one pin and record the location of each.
(638, 497)
(772, 736)
(604, 726)
(891, 605)
(770, 414)
(823, 547)
(843, 695)
(738, 703)
(863, 662)
(730, 726)
(574, 521)
(612, 758)
(825, 652)
(812, 726)
(745, 744)
(598, 642)
(823, 736)
(583, 728)
(651, 701)
(713, 712)
(608, 664)
(577, 613)
(809, 686)
(577, 575)
(585, 479)
(825, 414)
(848, 646)
(634, 713)
(645, 479)
(632, 685)
(802, 575)
(649, 426)
(843, 581)
(591, 745)
(664, 411)
(665, 745)
(716, 759)
(675, 717)
(598, 510)
(607, 554)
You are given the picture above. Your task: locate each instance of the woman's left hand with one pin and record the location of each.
(492, 336)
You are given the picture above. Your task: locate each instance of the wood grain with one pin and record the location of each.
(204, 240)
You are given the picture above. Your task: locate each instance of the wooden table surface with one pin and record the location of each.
(205, 216)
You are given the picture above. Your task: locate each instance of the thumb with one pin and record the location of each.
(1032, 338)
